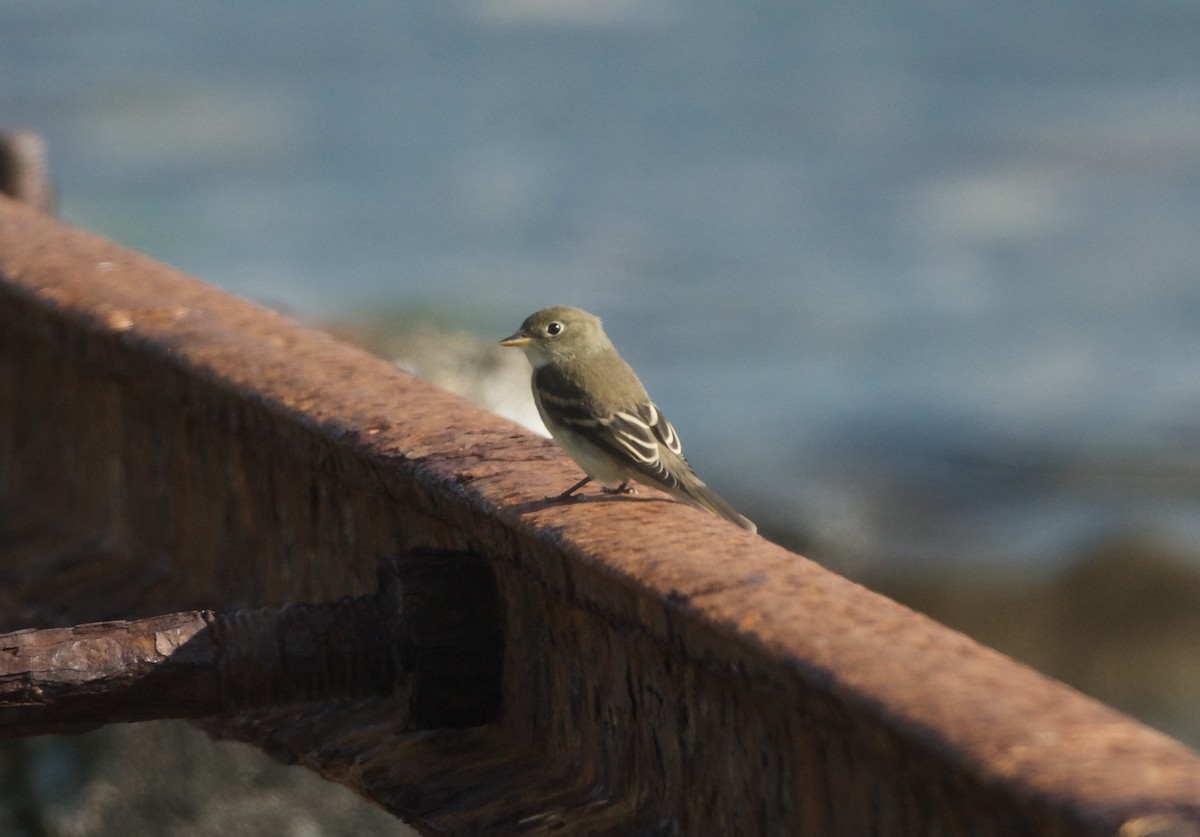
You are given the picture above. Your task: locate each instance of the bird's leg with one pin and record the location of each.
(623, 488)
(566, 495)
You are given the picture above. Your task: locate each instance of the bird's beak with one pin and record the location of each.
(518, 341)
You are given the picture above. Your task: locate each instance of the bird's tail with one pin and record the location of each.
(698, 494)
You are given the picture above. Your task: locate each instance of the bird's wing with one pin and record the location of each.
(643, 432)
(637, 432)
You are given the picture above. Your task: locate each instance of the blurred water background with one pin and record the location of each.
(917, 281)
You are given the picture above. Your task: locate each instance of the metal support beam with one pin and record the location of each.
(165, 446)
(428, 640)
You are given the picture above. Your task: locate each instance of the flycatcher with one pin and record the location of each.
(596, 408)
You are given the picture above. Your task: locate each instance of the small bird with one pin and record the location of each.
(596, 408)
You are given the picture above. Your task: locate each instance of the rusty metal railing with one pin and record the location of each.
(165, 446)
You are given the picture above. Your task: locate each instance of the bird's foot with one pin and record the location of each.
(623, 488)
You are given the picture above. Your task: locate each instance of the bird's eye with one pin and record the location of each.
(554, 329)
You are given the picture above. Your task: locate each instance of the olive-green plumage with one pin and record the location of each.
(596, 408)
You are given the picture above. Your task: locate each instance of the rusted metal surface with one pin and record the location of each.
(24, 170)
(428, 640)
(664, 672)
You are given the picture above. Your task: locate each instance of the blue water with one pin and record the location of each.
(918, 280)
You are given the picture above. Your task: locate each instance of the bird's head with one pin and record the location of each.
(558, 333)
